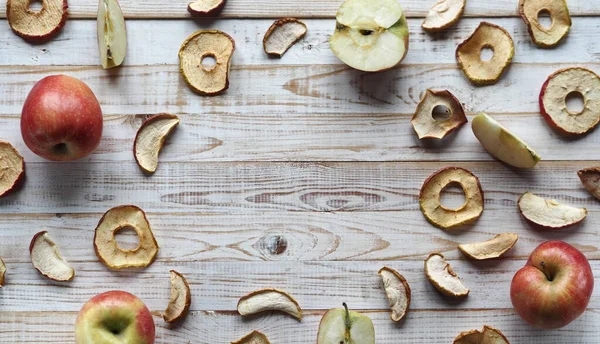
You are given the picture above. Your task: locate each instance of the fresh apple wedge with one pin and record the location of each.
(549, 213)
(443, 14)
(150, 139)
(180, 300)
(426, 126)
(488, 335)
(253, 337)
(341, 326)
(46, 258)
(112, 36)
(546, 37)
(2, 272)
(590, 178)
(12, 168)
(493, 248)
(503, 144)
(205, 8)
(269, 300)
(36, 26)
(370, 35)
(282, 35)
(440, 275)
(397, 290)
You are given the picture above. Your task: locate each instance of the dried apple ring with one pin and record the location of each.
(36, 26)
(426, 126)
(445, 218)
(468, 54)
(105, 245)
(546, 37)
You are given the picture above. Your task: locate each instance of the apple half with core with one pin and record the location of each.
(36, 26)
(112, 36)
(555, 286)
(342, 326)
(370, 35)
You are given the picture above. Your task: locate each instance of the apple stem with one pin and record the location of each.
(347, 321)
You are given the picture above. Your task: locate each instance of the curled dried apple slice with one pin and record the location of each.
(542, 36)
(397, 291)
(105, 245)
(432, 207)
(490, 249)
(443, 14)
(112, 36)
(568, 82)
(12, 168)
(468, 54)
(36, 26)
(46, 258)
(549, 213)
(253, 337)
(150, 139)
(426, 126)
(180, 300)
(488, 335)
(282, 35)
(2, 272)
(440, 275)
(590, 178)
(205, 8)
(205, 80)
(269, 300)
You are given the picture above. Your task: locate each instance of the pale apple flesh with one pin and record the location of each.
(269, 300)
(36, 26)
(47, 259)
(549, 213)
(490, 249)
(341, 326)
(397, 291)
(112, 36)
(12, 168)
(441, 275)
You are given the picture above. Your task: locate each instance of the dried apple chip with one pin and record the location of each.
(2, 272)
(443, 14)
(46, 258)
(542, 36)
(269, 300)
(488, 335)
(493, 248)
(253, 337)
(180, 300)
(549, 213)
(440, 275)
(426, 126)
(205, 8)
(282, 35)
(397, 290)
(36, 26)
(150, 139)
(590, 178)
(12, 168)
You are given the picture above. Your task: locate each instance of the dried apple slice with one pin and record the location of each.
(36, 26)
(253, 337)
(46, 258)
(549, 213)
(208, 81)
(590, 178)
(428, 127)
(553, 105)
(180, 300)
(2, 272)
(397, 290)
(440, 275)
(105, 245)
(443, 14)
(112, 35)
(150, 139)
(488, 335)
(282, 35)
(493, 248)
(432, 207)
(468, 54)
(12, 168)
(546, 37)
(205, 8)
(269, 300)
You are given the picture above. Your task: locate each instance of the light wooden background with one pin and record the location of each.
(301, 150)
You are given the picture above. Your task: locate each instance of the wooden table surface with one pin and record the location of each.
(303, 176)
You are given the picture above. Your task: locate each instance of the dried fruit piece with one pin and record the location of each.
(440, 274)
(112, 36)
(282, 35)
(443, 14)
(2, 272)
(36, 26)
(546, 37)
(180, 300)
(503, 144)
(590, 178)
(488, 335)
(208, 81)
(549, 213)
(468, 54)
(254, 337)
(12, 168)
(205, 8)
(269, 300)
(46, 258)
(553, 104)
(105, 245)
(489, 249)
(432, 207)
(428, 127)
(150, 139)
(339, 325)
(397, 291)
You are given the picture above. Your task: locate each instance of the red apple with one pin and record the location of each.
(554, 287)
(61, 119)
(114, 317)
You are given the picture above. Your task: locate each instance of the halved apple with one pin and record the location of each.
(253, 337)
(503, 144)
(397, 290)
(205, 8)
(269, 300)
(590, 178)
(546, 37)
(282, 35)
(342, 326)
(150, 139)
(180, 300)
(442, 277)
(12, 168)
(2, 272)
(112, 36)
(549, 213)
(36, 26)
(46, 258)
(428, 127)
(490, 249)
(488, 335)
(443, 14)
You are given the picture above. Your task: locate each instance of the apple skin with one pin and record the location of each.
(61, 119)
(121, 308)
(553, 299)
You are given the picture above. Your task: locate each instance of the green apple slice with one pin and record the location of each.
(503, 144)
(112, 37)
(341, 326)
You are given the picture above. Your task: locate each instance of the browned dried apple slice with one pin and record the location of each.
(150, 139)
(254, 337)
(205, 8)
(549, 213)
(443, 14)
(46, 258)
(208, 81)
(488, 335)
(105, 245)
(282, 35)
(269, 300)
(427, 126)
(36, 26)
(493, 248)
(2, 272)
(432, 207)
(468, 54)
(590, 178)
(397, 290)
(12, 168)
(440, 275)
(568, 82)
(180, 300)
(546, 37)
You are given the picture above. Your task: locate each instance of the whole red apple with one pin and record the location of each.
(61, 119)
(555, 286)
(114, 317)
